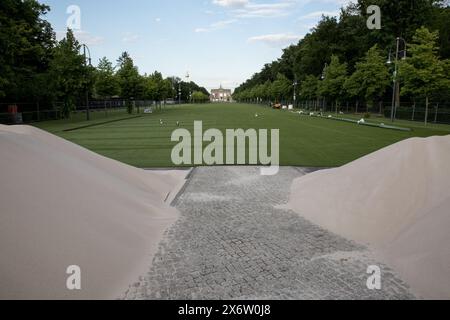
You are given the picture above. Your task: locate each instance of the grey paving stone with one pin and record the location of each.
(232, 242)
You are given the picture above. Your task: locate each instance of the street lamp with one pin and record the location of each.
(295, 92)
(189, 86)
(323, 77)
(396, 88)
(87, 62)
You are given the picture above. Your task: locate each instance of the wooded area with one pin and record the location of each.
(341, 64)
(37, 71)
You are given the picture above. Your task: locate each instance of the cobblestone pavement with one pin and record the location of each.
(232, 242)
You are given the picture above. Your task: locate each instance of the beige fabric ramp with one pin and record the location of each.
(396, 200)
(63, 205)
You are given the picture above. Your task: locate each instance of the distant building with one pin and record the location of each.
(221, 95)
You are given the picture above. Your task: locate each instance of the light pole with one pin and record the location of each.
(323, 77)
(295, 92)
(179, 92)
(189, 86)
(396, 87)
(87, 63)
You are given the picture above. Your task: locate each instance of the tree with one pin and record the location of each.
(68, 72)
(422, 72)
(349, 39)
(26, 44)
(334, 78)
(130, 81)
(370, 79)
(154, 86)
(198, 96)
(280, 88)
(308, 88)
(106, 84)
(167, 89)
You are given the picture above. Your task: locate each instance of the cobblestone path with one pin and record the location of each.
(232, 242)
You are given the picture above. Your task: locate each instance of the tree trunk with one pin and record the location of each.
(436, 114)
(414, 110)
(426, 110)
(357, 106)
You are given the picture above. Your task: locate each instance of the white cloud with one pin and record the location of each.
(249, 9)
(271, 10)
(158, 20)
(231, 3)
(276, 40)
(130, 37)
(216, 26)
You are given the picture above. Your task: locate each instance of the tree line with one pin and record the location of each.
(341, 61)
(35, 67)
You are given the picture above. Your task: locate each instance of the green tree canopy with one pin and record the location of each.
(130, 80)
(422, 72)
(68, 72)
(335, 74)
(371, 77)
(26, 44)
(308, 87)
(106, 83)
(198, 96)
(280, 88)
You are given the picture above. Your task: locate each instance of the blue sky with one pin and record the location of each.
(216, 41)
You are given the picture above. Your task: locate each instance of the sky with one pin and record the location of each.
(218, 42)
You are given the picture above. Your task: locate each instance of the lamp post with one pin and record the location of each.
(87, 63)
(396, 87)
(295, 92)
(323, 77)
(189, 86)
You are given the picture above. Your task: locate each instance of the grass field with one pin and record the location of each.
(304, 141)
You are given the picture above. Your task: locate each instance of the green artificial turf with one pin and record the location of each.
(304, 141)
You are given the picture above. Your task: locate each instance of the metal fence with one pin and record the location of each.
(438, 112)
(36, 112)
